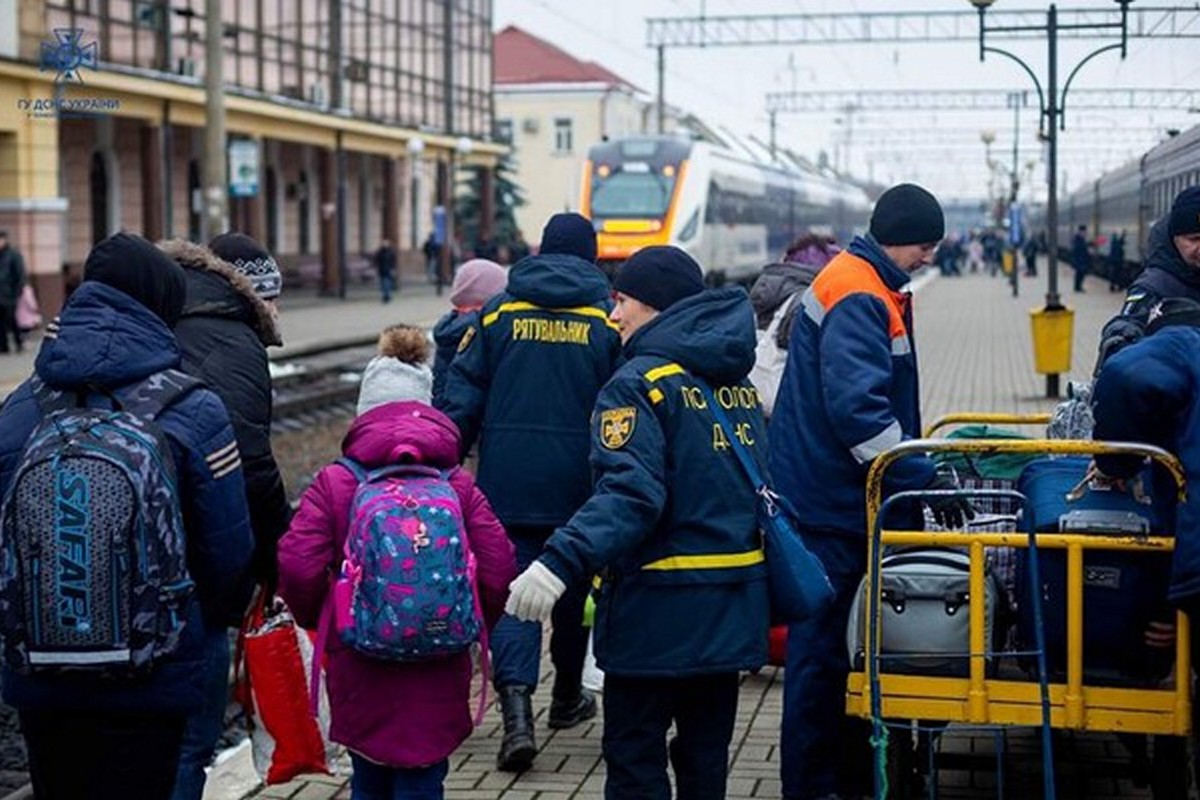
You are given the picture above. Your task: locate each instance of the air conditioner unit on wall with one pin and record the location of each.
(530, 125)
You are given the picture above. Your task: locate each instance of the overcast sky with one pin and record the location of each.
(726, 86)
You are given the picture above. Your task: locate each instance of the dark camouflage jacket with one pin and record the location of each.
(106, 339)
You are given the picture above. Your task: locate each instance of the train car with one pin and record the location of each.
(732, 212)
(1169, 169)
(1130, 199)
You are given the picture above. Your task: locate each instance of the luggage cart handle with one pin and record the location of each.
(1038, 447)
(946, 420)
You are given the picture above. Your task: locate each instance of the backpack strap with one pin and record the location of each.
(356, 469)
(154, 394)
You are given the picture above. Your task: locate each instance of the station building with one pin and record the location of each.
(552, 107)
(102, 123)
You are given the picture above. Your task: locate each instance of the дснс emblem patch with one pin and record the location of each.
(616, 426)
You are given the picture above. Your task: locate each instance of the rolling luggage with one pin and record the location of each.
(925, 613)
(1123, 592)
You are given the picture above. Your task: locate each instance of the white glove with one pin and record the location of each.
(533, 594)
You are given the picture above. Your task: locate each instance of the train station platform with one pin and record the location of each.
(975, 351)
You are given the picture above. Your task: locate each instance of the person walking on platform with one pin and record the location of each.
(12, 282)
(228, 322)
(523, 383)
(1116, 260)
(476, 282)
(1080, 256)
(116, 731)
(1030, 251)
(400, 720)
(1172, 269)
(671, 528)
(849, 392)
(384, 260)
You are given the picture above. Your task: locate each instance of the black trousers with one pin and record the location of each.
(8, 325)
(102, 756)
(637, 714)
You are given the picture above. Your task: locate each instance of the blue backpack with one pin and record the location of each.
(407, 587)
(94, 574)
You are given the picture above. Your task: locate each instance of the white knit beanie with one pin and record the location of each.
(390, 380)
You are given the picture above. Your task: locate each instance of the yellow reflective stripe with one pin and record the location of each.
(663, 371)
(714, 561)
(656, 396)
(523, 305)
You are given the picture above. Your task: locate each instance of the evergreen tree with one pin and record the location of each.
(506, 198)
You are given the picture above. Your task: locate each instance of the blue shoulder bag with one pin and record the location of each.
(796, 579)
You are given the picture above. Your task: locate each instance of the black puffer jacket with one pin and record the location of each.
(1166, 276)
(224, 334)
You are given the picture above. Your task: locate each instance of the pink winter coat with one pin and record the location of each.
(400, 715)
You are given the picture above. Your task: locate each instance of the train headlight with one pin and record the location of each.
(603, 170)
(669, 171)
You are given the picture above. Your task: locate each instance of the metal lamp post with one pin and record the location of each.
(415, 147)
(1051, 117)
(462, 148)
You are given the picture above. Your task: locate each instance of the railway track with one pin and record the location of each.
(308, 384)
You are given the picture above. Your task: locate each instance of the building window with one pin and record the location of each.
(504, 131)
(562, 136)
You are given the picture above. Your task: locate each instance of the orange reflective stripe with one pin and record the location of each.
(849, 274)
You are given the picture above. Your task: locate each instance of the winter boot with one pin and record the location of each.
(517, 749)
(570, 703)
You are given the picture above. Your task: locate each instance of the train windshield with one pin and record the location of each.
(632, 195)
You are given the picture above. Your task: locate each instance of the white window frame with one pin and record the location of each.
(564, 133)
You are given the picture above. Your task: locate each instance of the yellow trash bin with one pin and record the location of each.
(1052, 330)
(1007, 261)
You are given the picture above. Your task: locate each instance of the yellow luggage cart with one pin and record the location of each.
(979, 700)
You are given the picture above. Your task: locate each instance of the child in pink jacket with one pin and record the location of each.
(400, 721)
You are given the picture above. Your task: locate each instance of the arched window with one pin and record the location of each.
(272, 198)
(303, 194)
(195, 201)
(98, 180)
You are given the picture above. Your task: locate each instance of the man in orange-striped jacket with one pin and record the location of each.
(849, 392)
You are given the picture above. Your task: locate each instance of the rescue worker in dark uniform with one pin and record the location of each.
(523, 383)
(1172, 270)
(849, 392)
(1147, 393)
(671, 528)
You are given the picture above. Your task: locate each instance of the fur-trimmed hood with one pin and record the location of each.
(233, 297)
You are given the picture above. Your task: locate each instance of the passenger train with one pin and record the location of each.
(733, 212)
(1131, 198)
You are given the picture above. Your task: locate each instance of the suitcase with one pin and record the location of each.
(1123, 591)
(925, 612)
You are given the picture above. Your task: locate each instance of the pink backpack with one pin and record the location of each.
(407, 588)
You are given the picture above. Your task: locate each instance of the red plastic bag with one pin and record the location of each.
(276, 662)
(777, 645)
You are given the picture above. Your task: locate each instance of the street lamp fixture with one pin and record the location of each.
(1052, 113)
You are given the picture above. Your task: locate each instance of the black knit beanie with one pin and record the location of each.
(130, 264)
(1185, 212)
(569, 234)
(659, 277)
(907, 214)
